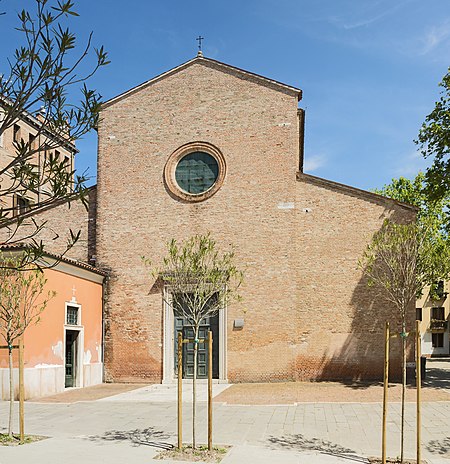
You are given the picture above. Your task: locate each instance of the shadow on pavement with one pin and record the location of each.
(441, 447)
(138, 437)
(301, 443)
(438, 373)
(360, 385)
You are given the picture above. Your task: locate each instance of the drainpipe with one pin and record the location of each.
(301, 137)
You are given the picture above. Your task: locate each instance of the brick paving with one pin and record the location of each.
(96, 392)
(263, 393)
(322, 392)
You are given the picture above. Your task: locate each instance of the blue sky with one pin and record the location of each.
(369, 69)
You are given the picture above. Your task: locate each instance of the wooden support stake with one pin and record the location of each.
(418, 388)
(210, 369)
(21, 393)
(385, 392)
(180, 390)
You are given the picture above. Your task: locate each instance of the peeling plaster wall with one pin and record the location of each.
(44, 354)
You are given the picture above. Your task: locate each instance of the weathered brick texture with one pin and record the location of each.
(308, 311)
(55, 223)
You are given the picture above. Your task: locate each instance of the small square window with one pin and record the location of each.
(16, 133)
(21, 205)
(418, 314)
(438, 314)
(72, 315)
(437, 340)
(31, 141)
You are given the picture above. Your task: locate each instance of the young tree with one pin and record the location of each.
(401, 260)
(199, 280)
(20, 307)
(39, 84)
(432, 219)
(434, 140)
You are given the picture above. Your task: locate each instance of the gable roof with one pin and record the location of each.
(365, 194)
(209, 62)
(51, 260)
(34, 122)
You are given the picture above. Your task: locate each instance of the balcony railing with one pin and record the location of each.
(437, 324)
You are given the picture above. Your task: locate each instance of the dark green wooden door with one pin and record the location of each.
(210, 323)
(71, 340)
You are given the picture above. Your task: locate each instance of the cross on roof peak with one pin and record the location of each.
(199, 40)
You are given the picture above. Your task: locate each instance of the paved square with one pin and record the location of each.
(133, 426)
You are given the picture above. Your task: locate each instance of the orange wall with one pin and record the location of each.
(44, 342)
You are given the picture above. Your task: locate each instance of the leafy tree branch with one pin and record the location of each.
(36, 89)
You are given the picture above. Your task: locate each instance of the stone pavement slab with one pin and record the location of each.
(76, 450)
(72, 395)
(163, 393)
(330, 392)
(139, 429)
(250, 454)
(133, 426)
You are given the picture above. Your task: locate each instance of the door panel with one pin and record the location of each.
(181, 325)
(70, 359)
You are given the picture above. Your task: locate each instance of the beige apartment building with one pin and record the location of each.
(433, 310)
(29, 129)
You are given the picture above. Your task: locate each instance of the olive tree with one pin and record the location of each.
(21, 304)
(401, 260)
(45, 80)
(200, 280)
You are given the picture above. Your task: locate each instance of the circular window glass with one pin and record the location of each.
(196, 172)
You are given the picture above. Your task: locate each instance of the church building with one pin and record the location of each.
(210, 148)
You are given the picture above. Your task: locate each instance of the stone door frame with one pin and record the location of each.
(168, 343)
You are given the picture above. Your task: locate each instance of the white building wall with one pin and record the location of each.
(47, 380)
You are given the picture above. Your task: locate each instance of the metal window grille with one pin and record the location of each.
(72, 315)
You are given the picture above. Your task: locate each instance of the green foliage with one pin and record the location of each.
(199, 278)
(42, 82)
(434, 140)
(432, 225)
(436, 292)
(392, 263)
(200, 453)
(14, 440)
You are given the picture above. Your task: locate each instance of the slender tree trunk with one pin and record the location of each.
(11, 392)
(194, 392)
(402, 435)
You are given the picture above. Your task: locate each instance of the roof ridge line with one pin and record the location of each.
(198, 59)
(320, 180)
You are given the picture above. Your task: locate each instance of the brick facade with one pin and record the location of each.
(54, 224)
(308, 312)
(307, 309)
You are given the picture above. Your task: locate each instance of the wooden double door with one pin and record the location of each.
(209, 323)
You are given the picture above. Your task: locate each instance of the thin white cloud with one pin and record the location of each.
(344, 23)
(435, 36)
(314, 162)
(410, 164)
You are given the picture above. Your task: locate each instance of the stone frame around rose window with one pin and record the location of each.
(178, 155)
